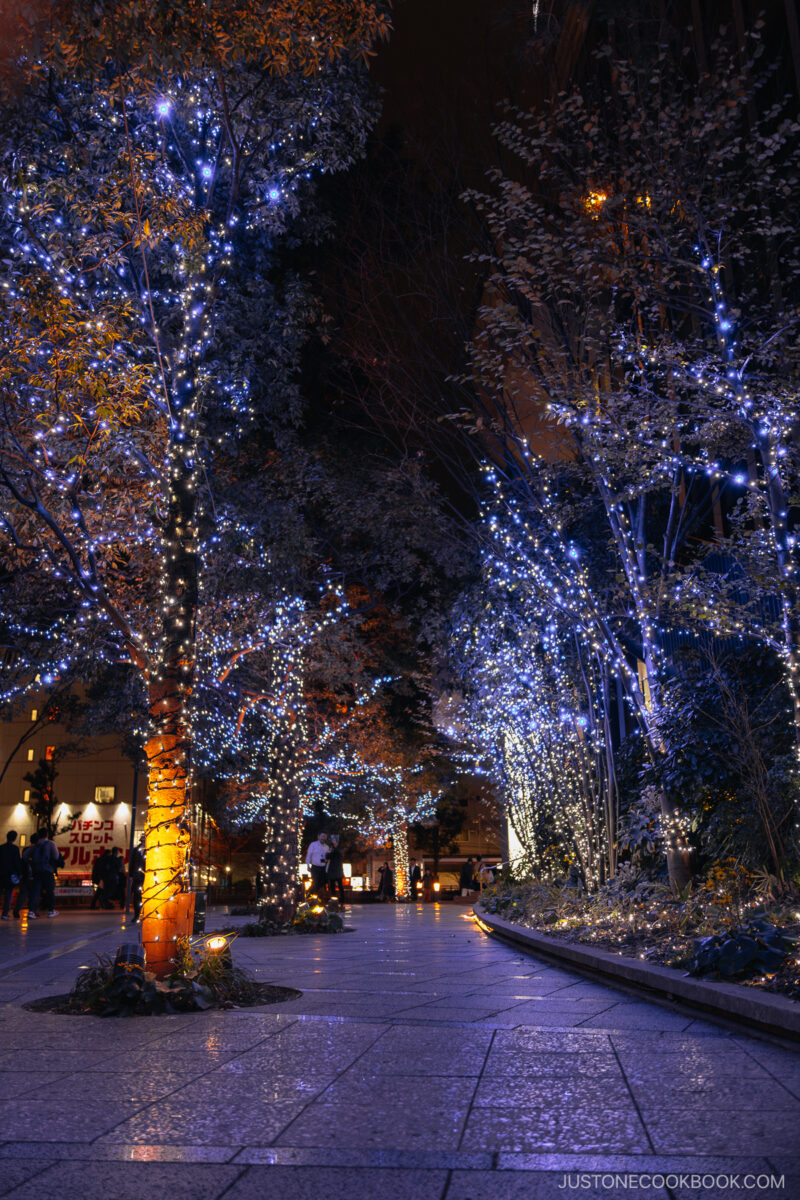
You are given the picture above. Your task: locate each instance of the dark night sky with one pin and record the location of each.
(447, 65)
(449, 62)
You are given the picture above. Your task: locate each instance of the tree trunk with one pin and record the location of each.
(677, 851)
(164, 915)
(400, 848)
(281, 856)
(166, 900)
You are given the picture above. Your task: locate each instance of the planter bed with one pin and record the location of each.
(750, 1009)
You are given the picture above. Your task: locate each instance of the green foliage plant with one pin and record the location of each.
(200, 979)
(755, 948)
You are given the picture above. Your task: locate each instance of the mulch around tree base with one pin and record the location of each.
(63, 1005)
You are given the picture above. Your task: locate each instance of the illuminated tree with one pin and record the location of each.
(265, 727)
(398, 772)
(382, 801)
(532, 705)
(623, 407)
(149, 154)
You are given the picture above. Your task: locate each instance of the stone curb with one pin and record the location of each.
(730, 1003)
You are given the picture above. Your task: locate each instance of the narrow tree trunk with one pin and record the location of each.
(677, 852)
(166, 900)
(165, 914)
(281, 856)
(400, 848)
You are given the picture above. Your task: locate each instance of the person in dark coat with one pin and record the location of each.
(466, 877)
(335, 869)
(118, 877)
(10, 871)
(23, 895)
(45, 861)
(386, 885)
(101, 878)
(416, 878)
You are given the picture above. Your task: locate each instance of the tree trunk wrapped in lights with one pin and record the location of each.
(402, 874)
(165, 915)
(166, 906)
(281, 856)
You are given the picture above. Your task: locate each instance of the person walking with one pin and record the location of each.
(10, 871)
(317, 861)
(485, 874)
(335, 869)
(136, 869)
(416, 879)
(46, 861)
(427, 886)
(466, 877)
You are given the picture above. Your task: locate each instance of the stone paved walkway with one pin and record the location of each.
(424, 1061)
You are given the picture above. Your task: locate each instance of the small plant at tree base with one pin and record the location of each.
(115, 990)
(307, 919)
(265, 928)
(213, 970)
(316, 920)
(201, 979)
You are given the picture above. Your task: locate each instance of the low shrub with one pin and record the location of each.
(201, 979)
(307, 919)
(757, 948)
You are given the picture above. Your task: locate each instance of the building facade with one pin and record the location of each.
(98, 797)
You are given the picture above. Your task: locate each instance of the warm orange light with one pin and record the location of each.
(215, 944)
(594, 202)
(436, 887)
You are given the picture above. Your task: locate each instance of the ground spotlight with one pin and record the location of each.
(217, 947)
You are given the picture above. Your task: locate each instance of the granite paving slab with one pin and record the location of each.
(529, 1185)
(639, 1016)
(27, 1119)
(702, 1127)
(131, 1087)
(14, 1173)
(176, 1121)
(723, 1091)
(409, 1114)
(337, 1183)
(12, 1083)
(128, 1181)
(423, 1057)
(536, 1090)
(559, 1125)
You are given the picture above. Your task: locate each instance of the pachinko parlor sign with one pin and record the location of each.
(88, 836)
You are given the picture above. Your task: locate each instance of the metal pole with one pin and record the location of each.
(134, 799)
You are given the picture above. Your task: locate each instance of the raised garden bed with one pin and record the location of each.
(744, 939)
(749, 1008)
